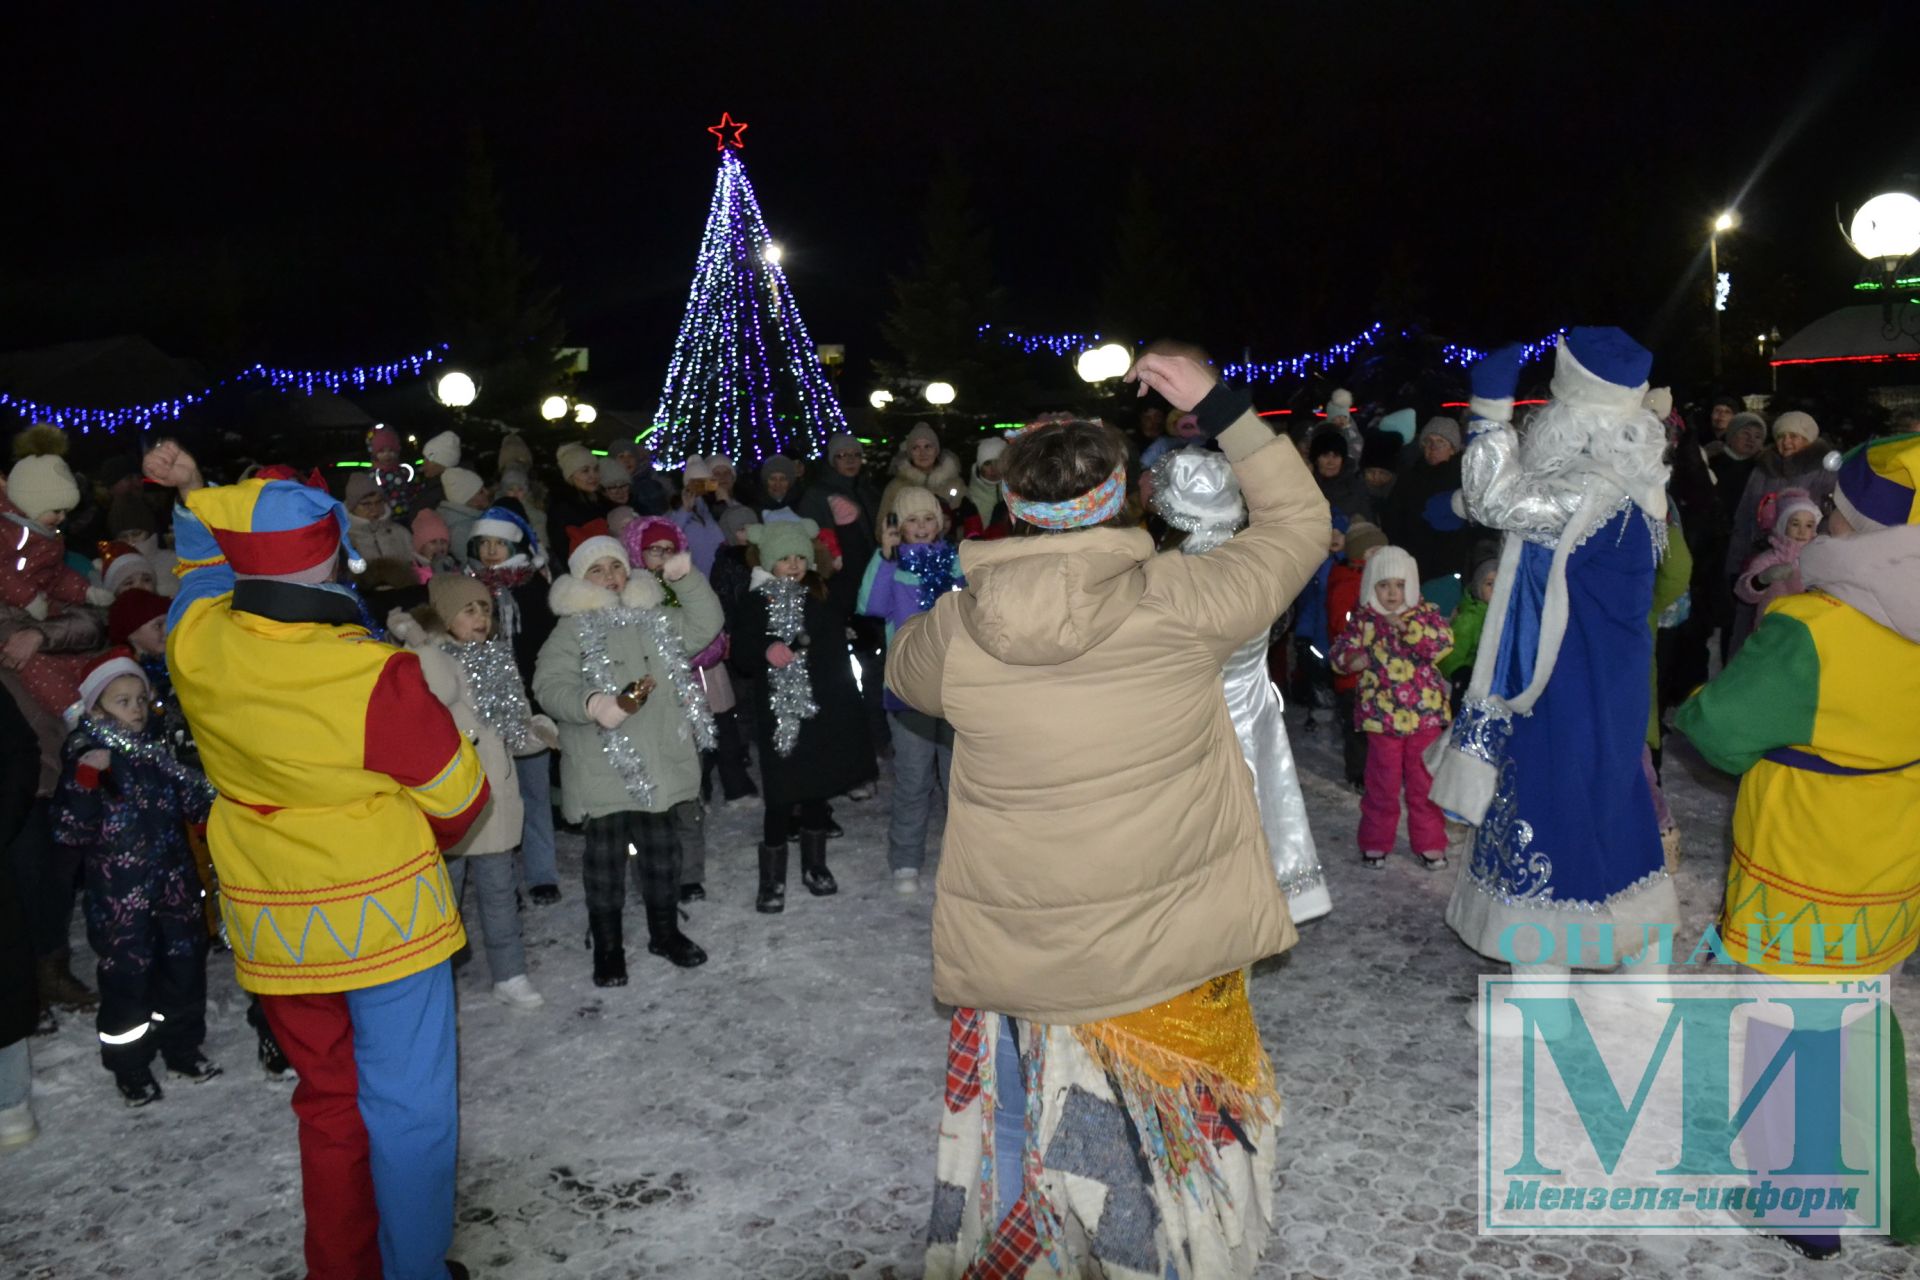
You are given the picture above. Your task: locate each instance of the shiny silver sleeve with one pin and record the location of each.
(1497, 490)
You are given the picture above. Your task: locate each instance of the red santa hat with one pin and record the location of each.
(106, 668)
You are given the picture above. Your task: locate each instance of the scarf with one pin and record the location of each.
(789, 688)
(594, 630)
(502, 580)
(933, 564)
(499, 699)
(115, 737)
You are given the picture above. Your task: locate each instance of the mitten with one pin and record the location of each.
(779, 655)
(678, 566)
(1773, 573)
(99, 597)
(606, 711)
(1494, 380)
(1440, 513)
(545, 732)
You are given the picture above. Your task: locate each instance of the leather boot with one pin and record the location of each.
(59, 987)
(609, 953)
(813, 864)
(665, 939)
(772, 898)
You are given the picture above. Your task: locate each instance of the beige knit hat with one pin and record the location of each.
(572, 458)
(41, 484)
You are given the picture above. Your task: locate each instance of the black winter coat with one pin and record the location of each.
(1405, 522)
(568, 508)
(835, 751)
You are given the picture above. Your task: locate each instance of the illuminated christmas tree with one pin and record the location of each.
(745, 380)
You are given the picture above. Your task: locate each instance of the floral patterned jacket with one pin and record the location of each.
(1401, 689)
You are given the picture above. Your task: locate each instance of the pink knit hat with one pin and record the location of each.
(648, 530)
(383, 440)
(427, 526)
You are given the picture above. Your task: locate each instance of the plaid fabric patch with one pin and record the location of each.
(965, 1047)
(1015, 1247)
(656, 859)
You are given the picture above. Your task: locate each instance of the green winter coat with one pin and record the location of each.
(1468, 621)
(590, 786)
(1669, 584)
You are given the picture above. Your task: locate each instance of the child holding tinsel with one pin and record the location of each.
(633, 721)
(1392, 642)
(506, 557)
(915, 567)
(125, 802)
(812, 727)
(471, 672)
(651, 541)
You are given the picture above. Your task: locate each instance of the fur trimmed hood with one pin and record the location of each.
(571, 595)
(1874, 572)
(944, 477)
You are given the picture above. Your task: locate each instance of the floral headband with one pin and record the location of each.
(1100, 503)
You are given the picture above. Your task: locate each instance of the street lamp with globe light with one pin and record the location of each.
(1886, 232)
(939, 394)
(455, 389)
(880, 398)
(772, 254)
(1727, 221)
(584, 414)
(553, 408)
(1098, 364)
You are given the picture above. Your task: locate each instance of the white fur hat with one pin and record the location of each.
(1386, 565)
(697, 468)
(598, 547)
(443, 449)
(1340, 403)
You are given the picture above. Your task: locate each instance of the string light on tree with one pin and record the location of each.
(745, 379)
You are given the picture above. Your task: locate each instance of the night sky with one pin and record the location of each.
(271, 182)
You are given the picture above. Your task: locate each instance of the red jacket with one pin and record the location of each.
(1343, 596)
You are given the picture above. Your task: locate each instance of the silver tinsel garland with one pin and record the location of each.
(499, 699)
(596, 662)
(114, 736)
(789, 688)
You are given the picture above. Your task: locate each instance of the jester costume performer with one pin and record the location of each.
(1816, 715)
(1544, 758)
(1194, 491)
(1105, 881)
(341, 779)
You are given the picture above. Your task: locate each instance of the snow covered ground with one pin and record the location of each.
(773, 1113)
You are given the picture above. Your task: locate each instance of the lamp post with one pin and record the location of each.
(1725, 222)
(1886, 232)
(880, 398)
(940, 395)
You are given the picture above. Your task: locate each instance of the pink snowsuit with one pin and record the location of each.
(1401, 706)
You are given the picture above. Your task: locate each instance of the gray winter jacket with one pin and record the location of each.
(590, 785)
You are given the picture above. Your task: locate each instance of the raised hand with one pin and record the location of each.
(1177, 371)
(169, 465)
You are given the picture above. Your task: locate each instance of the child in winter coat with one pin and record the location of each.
(1343, 597)
(915, 567)
(1469, 619)
(633, 721)
(811, 724)
(1791, 518)
(1393, 642)
(471, 672)
(651, 542)
(432, 547)
(505, 557)
(125, 802)
(46, 626)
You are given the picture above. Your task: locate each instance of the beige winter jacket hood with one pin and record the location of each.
(1103, 849)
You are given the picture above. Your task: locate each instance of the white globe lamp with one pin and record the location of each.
(1887, 228)
(584, 414)
(940, 394)
(553, 408)
(881, 398)
(455, 389)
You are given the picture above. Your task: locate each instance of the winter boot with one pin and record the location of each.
(59, 987)
(609, 953)
(193, 1065)
(665, 939)
(772, 898)
(138, 1086)
(813, 864)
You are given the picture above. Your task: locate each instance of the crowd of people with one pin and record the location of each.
(1083, 634)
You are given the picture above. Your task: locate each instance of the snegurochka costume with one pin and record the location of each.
(341, 779)
(1544, 757)
(1194, 491)
(1816, 713)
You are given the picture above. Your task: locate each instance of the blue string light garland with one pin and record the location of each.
(1340, 353)
(305, 381)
